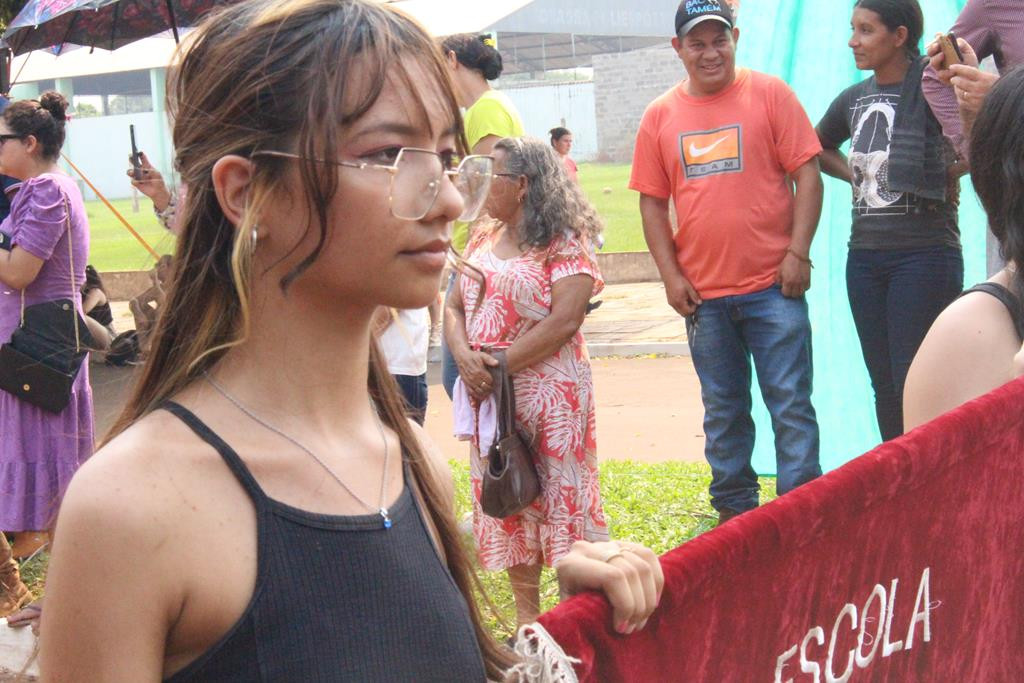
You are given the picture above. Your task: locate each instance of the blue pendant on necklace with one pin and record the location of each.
(386, 517)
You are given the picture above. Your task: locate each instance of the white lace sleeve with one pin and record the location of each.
(542, 660)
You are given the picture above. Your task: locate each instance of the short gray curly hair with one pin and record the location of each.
(553, 203)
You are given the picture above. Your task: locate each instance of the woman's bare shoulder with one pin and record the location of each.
(124, 547)
(967, 352)
(144, 473)
(976, 324)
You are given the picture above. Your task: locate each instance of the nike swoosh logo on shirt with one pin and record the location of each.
(696, 151)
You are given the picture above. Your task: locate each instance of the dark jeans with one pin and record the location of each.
(449, 370)
(414, 389)
(723, 335)
(895, 297)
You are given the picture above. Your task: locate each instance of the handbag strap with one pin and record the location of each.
(71, 268)
(506, 398)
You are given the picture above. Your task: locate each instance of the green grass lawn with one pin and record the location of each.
(661, 506)
(114, 248)
(619, 208)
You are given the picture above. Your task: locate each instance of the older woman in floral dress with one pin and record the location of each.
(538, 275)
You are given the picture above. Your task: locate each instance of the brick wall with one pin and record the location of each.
(624, 84)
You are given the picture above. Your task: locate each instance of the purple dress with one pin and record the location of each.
(40, 451)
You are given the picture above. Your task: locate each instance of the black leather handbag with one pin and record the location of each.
(41, 361)
(510, 482)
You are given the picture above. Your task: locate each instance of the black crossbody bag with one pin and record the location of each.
(45, 354)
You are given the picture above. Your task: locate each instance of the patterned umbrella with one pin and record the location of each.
(108, 24)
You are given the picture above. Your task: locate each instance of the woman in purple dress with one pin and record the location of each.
(39, 451)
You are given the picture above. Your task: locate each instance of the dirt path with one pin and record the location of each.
(648, 409)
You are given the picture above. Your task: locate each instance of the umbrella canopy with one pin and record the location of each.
(107, 24)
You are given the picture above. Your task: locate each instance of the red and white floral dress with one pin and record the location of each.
(554, 401)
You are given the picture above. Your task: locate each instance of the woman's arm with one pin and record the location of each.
(19, 268)
(485, 145)
(833, 162)
(151, 183)
(94, 298)
(569, 297)
(472, 364)
(110, 598)
(628, 574)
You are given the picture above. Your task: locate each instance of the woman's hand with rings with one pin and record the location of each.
(473, 371)
(971, 85)
(628, 574)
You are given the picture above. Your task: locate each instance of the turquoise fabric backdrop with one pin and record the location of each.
(804, 42)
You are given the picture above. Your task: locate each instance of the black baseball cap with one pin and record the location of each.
(693, 12)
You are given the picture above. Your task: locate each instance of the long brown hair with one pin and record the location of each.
(277, 74)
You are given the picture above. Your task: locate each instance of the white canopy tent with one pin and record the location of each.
(541, 35)
(445, 17)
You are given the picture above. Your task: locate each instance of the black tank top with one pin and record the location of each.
(1008, 299)
(340, 598)
(101, 313)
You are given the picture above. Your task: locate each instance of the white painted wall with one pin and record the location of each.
(100, 147)
(542, 107)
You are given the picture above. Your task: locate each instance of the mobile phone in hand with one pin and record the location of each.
(136, 155)
(950, 50)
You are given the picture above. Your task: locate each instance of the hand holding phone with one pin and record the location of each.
(950, 50)
(136, 155)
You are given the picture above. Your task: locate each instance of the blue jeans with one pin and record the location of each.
(895, 297)
(414, 391)
(449, 370)
(723, 334)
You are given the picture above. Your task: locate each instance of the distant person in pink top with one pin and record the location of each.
(992, 28)
(561, 140)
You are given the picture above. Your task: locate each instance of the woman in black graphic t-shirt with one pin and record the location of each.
(905, 264)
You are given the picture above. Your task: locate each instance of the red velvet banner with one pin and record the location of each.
(906, 564)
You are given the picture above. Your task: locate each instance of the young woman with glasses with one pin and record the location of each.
(262, 510)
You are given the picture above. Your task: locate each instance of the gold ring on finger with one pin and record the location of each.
(614, 550)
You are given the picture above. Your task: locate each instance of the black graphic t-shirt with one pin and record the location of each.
(864, 114)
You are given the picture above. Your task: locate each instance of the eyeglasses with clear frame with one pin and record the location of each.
(416, 177)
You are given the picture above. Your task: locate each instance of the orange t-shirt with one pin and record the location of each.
(724, 160)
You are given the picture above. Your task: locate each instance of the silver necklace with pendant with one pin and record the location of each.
(379, 509)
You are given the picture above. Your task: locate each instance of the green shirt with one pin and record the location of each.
(492, 114)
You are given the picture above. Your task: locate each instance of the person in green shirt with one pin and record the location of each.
(489, 116)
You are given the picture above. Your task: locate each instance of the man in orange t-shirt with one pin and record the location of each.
(727, 146)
